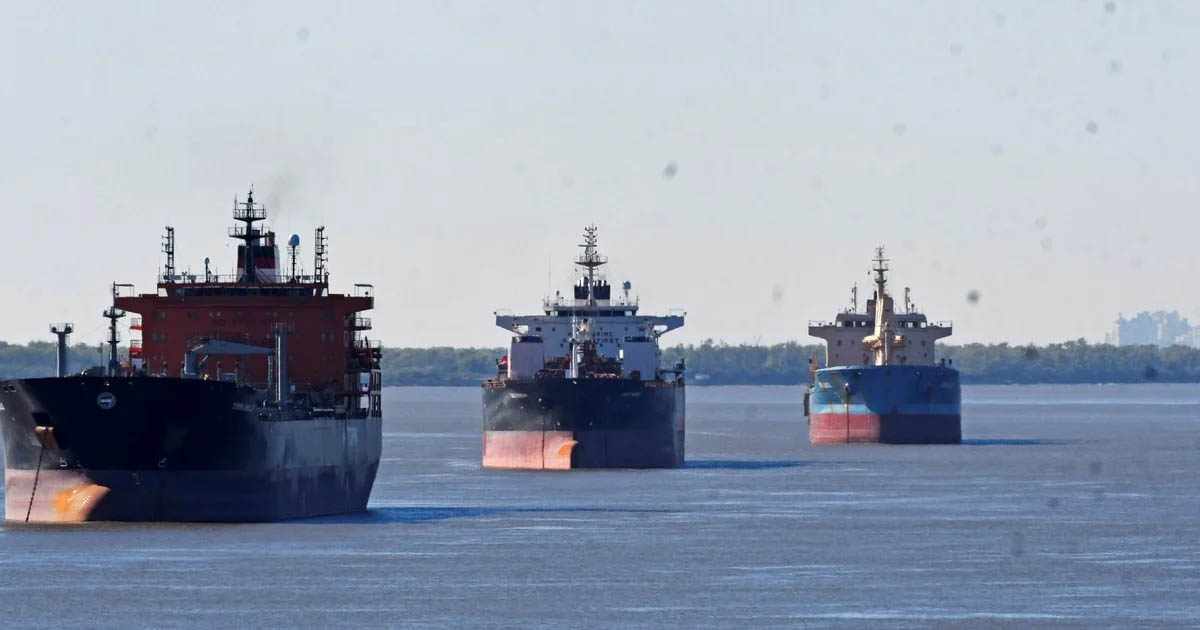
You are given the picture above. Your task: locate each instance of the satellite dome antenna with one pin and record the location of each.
(293, 245)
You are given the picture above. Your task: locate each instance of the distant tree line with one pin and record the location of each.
(716, 363)
(38, 358)
(1068, 362)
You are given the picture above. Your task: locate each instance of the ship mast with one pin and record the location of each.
(248, 213)
(881, 341)
(590, 260)
(113, 313)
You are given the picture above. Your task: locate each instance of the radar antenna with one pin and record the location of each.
(293, 245)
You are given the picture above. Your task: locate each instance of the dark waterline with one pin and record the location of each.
(1068, 505)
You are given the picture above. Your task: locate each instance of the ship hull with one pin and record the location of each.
(895, 404)
(563, 424)
(163, 449)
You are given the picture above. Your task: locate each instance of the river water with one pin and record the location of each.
(1067, 505)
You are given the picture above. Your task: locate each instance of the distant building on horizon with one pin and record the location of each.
(1160, 329)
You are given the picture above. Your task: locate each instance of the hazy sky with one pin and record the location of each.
(1044, 154)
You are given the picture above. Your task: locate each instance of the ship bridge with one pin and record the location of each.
(330, 361)
(612, 324)
(610, 332)
(852, 338)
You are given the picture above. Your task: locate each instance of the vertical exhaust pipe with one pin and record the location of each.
(281, 375)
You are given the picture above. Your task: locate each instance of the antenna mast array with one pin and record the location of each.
(320, 256)
(168, 248)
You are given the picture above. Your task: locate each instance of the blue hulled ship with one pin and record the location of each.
(882, 382)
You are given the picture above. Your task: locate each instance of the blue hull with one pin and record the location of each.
(894, 404)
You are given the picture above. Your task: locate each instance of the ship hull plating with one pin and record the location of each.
(562, 424)
(895, 404)
(164, 449)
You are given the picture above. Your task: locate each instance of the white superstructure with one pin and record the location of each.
(879, 335)
(590, 316)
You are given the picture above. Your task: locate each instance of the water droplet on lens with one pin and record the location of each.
(1017, 548)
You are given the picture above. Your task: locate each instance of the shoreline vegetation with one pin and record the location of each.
(717, 363)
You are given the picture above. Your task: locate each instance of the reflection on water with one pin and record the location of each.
(377, 515)
(732, 464)
(1009, 442)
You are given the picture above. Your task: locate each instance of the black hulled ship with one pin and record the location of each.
(248, 397)
(582, 386)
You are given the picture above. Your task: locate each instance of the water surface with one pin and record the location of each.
(1068, 505)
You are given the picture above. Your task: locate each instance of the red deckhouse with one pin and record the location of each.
(216, 322)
